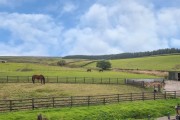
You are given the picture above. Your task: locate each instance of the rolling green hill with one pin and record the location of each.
(165, 62)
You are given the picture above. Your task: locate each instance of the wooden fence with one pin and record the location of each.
(58, 102)
(57, 79)
(140, 82)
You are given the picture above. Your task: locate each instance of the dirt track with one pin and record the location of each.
(172, 85)
(149, 72)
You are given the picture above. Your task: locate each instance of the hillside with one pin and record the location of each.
(166, 63)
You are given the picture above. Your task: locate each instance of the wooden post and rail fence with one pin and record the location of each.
(58, 79)
(58, 102)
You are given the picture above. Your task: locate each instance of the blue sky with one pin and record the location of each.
(87, 27)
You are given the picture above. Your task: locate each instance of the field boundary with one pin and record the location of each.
(71, 101)
(141, 82)
(57, 79)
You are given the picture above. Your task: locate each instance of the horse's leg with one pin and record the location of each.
(33, 80)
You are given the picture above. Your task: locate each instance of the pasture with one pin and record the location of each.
(29, 69)
(30, 66)
(28, 90)
(165, 63)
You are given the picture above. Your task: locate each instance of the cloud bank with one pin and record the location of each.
(122, 26)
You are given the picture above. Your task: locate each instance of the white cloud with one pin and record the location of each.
(31, 34)
(125, 27)
(105, 28)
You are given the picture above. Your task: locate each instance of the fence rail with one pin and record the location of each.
(54, 102)
(140, 82)
(58, 79)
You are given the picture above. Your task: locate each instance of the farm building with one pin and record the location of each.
(174, 75)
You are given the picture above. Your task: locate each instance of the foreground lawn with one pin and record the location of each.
(121, 111)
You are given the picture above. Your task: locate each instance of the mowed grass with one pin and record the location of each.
(121, 111)
(28, 90)
(166, 62)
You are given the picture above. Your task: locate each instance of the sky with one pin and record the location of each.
(87, 27)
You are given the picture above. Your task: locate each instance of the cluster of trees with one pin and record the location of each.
(104, 64)
(125, 55)
(61, 62)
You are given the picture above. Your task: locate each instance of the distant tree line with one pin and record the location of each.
(125, 55)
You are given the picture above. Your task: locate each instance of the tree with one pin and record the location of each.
(61, 63)
(103, 64)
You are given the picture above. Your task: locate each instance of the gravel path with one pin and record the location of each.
(172, 85)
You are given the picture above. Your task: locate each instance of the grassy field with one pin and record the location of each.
(125, 110)
(20, 66)
(166, 62)
(29, 69)
(28, 90)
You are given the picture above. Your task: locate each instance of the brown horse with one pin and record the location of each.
(88, 70)
(100, 70)
(38, 77)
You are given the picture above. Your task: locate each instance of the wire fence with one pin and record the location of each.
(58, 79)
(58, 102)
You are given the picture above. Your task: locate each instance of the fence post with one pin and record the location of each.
(165, 95)
(125, 81)
(57, 79)
(17, 78)
(104, 101)
(66, 79)
(10, 105)
(84, 79)
(7, 79)
(71, 101)
(101, 80)
(28, 79)
(131, 97)
(154, 95)
(75, 80)
(117, 81)
(53, 101)
(118, 97)
(88, 101)
(143, 96)
(92, 80)
(175, 94)
(143, 84)
(33, 103)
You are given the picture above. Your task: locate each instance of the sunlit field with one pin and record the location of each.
(28, 90)
(29, 69)
(166, 62)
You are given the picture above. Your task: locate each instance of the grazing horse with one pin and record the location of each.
(101, 70)
(88, 70)
(38, 77)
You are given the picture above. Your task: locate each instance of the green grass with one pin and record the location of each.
(29, 69)
(166, 62)
(125, 110)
